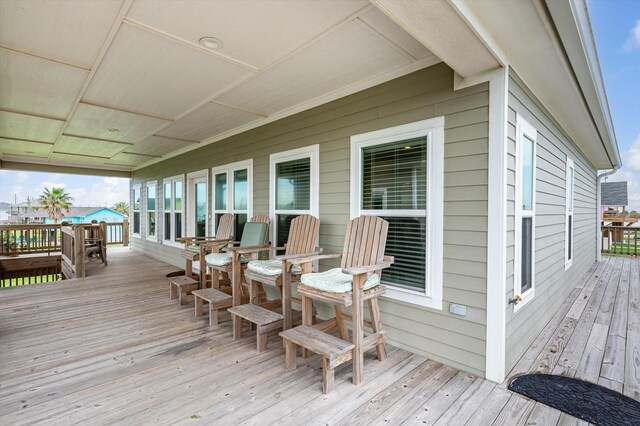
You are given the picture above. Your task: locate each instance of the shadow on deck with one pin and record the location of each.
(112, 348)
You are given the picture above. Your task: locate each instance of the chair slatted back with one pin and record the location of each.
(225, 227)
(303, 234)
(262, 218)
(364, 242)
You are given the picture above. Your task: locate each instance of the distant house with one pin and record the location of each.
(78, 215)
(614, 198)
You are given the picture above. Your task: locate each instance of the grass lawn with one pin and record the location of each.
(14, 282)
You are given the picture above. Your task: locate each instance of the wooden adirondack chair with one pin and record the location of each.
(196, 248)
(277, 272)
(230, 264)
(356, 281)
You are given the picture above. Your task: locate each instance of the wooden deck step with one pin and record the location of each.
(256, 314)
(326, 345)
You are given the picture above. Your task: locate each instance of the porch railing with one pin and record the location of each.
(620, 240)
(15, 271)
(36, 238)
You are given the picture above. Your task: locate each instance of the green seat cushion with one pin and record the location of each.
(254, 234)
(272, 267)
(222, 259)
(335, 281)
(194, 248)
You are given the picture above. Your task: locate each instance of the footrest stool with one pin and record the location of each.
(264, 319)
(215, 298)
(333, 350)
(180, 286)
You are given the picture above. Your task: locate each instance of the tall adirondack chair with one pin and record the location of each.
(276, 272)
(196, 248)
(355, 282)
(231, 264)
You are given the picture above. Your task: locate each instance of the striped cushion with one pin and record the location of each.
(334, 281)
(272, 267)
(222, 259)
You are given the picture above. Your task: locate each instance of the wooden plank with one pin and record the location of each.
(543, 415)
(591, 362)
(613, 362)
(633, 321)
(632, 365)
(515, 412)
(462, 409)
(486, 413)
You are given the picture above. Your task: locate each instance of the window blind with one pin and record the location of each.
(293, 185)
(221, 191)
(240, 189)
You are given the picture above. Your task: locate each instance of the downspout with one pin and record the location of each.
(598, 209)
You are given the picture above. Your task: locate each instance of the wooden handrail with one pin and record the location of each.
(620, 240)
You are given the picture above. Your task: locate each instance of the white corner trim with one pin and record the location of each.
(497, 227)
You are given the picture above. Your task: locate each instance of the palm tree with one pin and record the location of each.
(55, 202)
(122, 207)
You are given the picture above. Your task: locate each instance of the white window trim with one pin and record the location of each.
(171, 181)
(569, 211)
(312, 152)
(524, 128)
(229, 169)
(191, 202)
(154, 183)
(433, 129)
(133, 191)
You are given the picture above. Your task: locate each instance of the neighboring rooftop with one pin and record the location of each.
(614, 194)
(73, 212)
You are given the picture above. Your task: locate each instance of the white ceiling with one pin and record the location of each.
(120, 84)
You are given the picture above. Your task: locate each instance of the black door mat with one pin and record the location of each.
(584, 400)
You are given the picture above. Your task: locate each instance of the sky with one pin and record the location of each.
(87, 191)
(616, 27)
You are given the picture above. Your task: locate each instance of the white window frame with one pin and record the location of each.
(191, 201)
(433, 130)
(149, 184)
(172, 182)
(569, 213)
(313, 153)
(133, 203)
(524, 128)
(229, 170)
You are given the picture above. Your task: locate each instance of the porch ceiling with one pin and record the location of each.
(119, 84)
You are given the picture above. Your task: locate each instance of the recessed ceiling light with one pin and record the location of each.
(113, 130)
(211, 43)
(407, 147)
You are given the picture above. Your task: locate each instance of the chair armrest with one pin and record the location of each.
(249, 249)
(290, 257)
(301, 260)
(214, 242)
(358, 270)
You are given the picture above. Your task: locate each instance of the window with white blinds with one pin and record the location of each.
(294, 189)
(397, 174)
(232, 193)
(151, 211)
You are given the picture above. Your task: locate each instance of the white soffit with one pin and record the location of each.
(538, 58)
(105, 123)
(439, 27)
(158, 145)
(21, 126)
(13, 146)
(38, 86)
(83, 146)
(28, 26)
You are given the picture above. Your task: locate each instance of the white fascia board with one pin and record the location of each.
(571, 19)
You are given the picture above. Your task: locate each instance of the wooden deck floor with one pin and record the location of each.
(112, 349)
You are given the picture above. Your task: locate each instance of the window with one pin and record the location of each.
(294, 177)
(197, 217)
(232, 193)
(136, 210)
(151, 211)
(173, 210)
(524, 265)
(569, 223)
(398, 174)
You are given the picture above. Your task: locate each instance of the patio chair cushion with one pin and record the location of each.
(334, 281)
(222, 259)
(272, 267)
(254, 234)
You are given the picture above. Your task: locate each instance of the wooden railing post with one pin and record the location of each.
(125, 232)
(78, 251)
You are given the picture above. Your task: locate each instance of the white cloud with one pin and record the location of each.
(631, 158)
(22, 177)
(633, 41)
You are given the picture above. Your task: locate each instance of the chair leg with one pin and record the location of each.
(215, 278)
(262, 340)
(374, 310)
(254, 292)
(172, 291)
(344, 332)
(289, 355)
(237, 326)
(328, 375)
(213, 315)
(358, 332)
(199, 306)
(307, 319)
